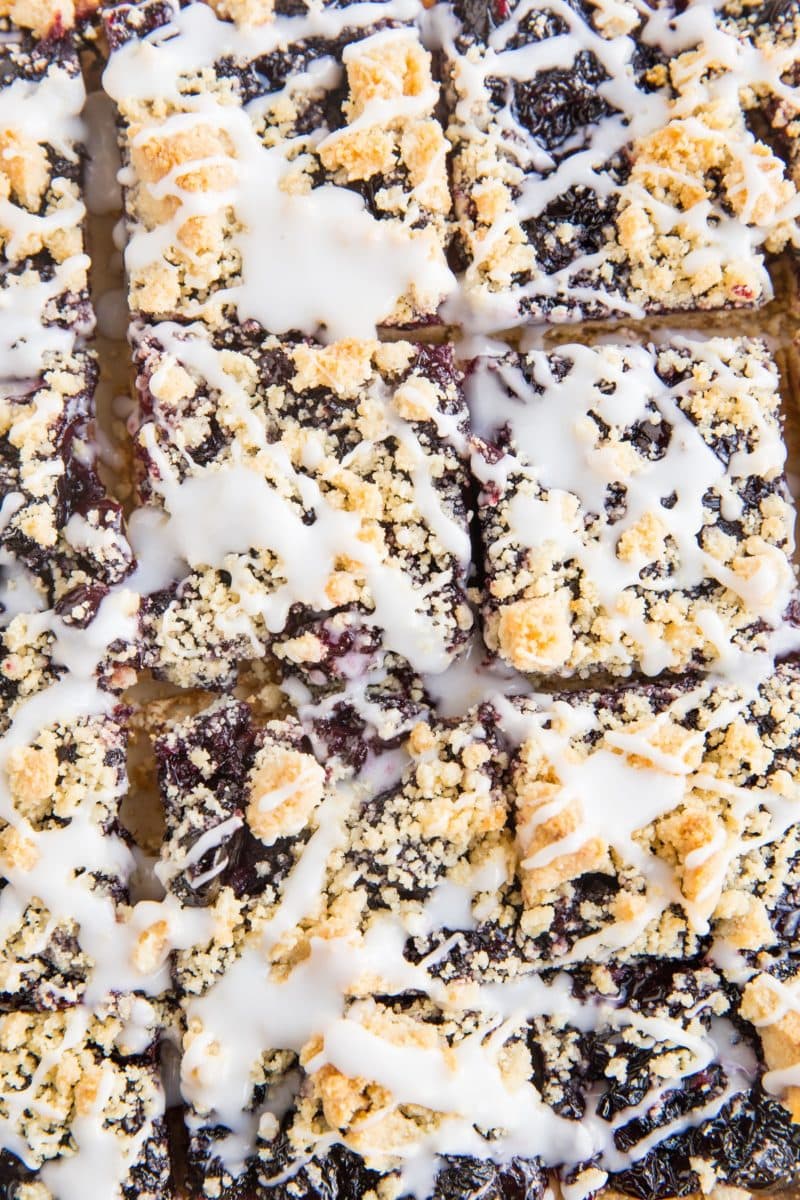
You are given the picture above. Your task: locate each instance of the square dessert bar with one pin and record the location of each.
(62, 542)
(284, 167)
(480, 973)
(332, 486)
(602, 161)
(81, 1106)
(65, 862)
(44, 299)
(68, 631)
(633, 509)
(650, 817)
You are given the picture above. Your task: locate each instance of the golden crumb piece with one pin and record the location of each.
(662, 744)
(304, 648)
(32, 774)
(26, 166)
(416, 399)
(17, 852)
(152, 946)
(391, 358)
(285, 787)
(343, 366)
(173, 384)
(491, 198)
(386, 69)
(691, 833)
(541, 866)
(423, 148)
(421, 739)
(349, 1102)
(344, 1100)
(87, 1089)
(615, 18)
(536, 634)
(359, 153)
(157, 154)
(41, 15)
(38, 523)
(644, 540)
(342, 588)
(245, 12)
(743, 920)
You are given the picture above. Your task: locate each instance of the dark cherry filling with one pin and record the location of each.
(342, 1175)
(476, 1179)
(229, 739)
(753, 1141)
(13, 1173)
(345, 735)
(555, 104)
(241, 861)
(581, 208)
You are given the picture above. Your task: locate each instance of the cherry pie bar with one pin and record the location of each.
(333, 482)
(604, 161)
(270, 162)
(44, 301)
(633, 507)
(62, 545)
